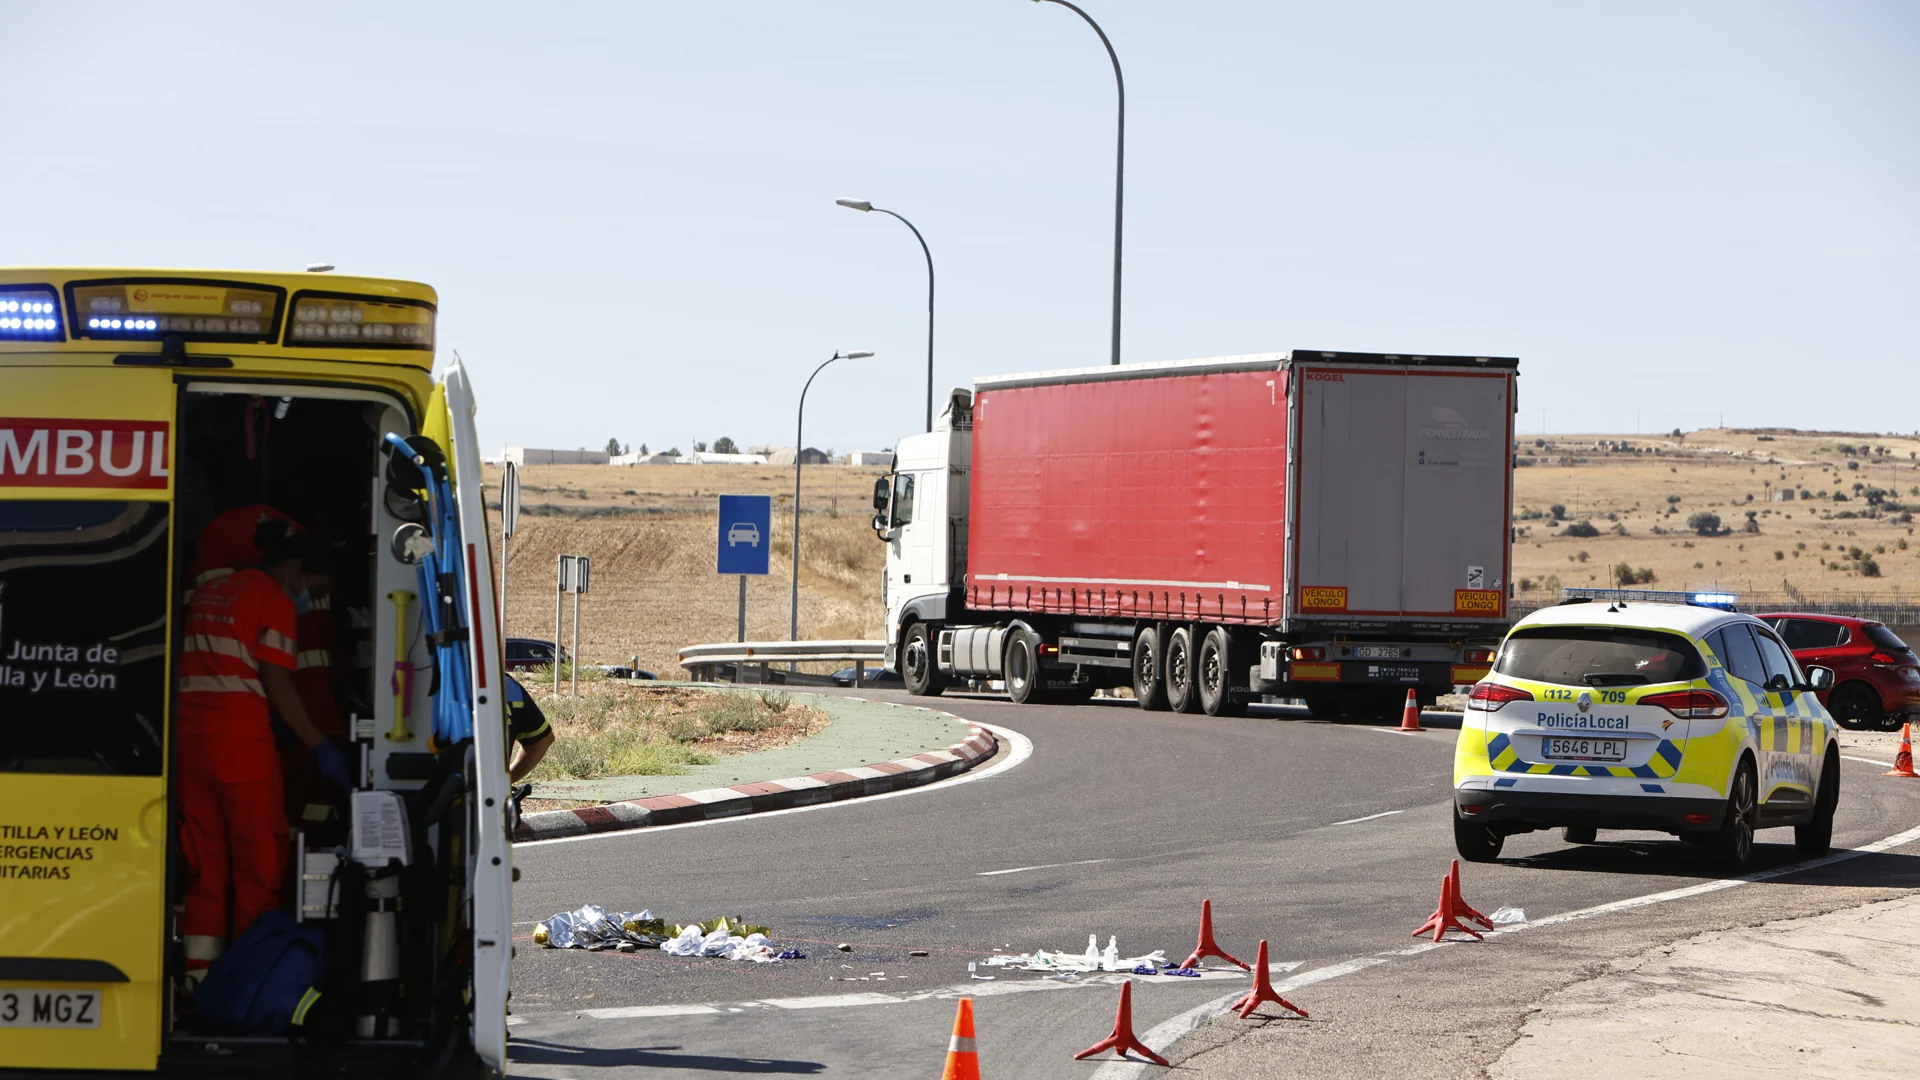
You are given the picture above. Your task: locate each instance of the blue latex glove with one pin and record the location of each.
(332, 765)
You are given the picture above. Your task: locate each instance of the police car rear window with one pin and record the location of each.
(1598, 656)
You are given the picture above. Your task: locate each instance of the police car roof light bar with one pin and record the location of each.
(1723, 601)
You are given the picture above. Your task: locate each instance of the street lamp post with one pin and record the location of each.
(864, 206)
(800, 445)
(1119, 164)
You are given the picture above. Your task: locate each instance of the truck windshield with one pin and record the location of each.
(1598, 656)
(83, 632)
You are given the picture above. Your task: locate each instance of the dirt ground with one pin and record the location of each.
(651, 532)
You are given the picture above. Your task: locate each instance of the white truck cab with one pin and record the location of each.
(923, 519)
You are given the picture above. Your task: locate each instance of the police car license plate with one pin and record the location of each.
(1586, 749)
(31, 1007)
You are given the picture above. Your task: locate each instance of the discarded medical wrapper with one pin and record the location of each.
(1093, 959)
(594, 928)
(1509, 915)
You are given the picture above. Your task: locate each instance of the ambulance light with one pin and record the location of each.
(30, 314)
(336, 320)
(148, 310)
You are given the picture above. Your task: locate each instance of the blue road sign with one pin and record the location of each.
(746, 531)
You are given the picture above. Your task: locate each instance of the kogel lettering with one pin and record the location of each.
(60, 452)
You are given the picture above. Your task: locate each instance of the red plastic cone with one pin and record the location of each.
(1903, 761)
(1410, 716)
(1263, 990)
(1444, 918)
(1461, 909)
(1123, 1039)
(1207, 946)
(962, 1062)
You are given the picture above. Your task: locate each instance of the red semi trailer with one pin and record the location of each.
(1330, 527)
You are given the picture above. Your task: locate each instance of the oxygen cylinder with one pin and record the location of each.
(380, 957)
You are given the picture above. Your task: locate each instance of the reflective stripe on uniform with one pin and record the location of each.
(220, 684)
(224, 646)
(313, 658)
(306, 1002)
(274, 639)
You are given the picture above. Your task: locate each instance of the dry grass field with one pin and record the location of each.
(1639, 493)
(651, 531)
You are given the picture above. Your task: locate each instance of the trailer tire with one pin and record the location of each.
(1182, 696)
(919, 666)
(1149, 670)
(1022, 668)
(1213, 674)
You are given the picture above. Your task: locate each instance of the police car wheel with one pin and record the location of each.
(1736, 830)
(1475, 842)
(1581, 834)
(1816, 836)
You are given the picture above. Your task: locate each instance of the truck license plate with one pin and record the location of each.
(1587, 749)
(1377, 652)
(28, 1007)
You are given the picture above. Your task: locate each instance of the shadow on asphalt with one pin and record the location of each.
(535, 1052)
(1673, 858)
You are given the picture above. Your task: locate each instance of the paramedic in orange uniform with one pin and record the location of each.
(236, 661)
(227, 544)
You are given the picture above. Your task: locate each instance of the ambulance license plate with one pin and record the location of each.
(1586, 749)
(31, 1007)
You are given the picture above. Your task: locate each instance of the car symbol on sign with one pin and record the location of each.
(745, 531)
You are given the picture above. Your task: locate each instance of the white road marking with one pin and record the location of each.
(631, 1012)
(1042, 866)
(1022, 749)
(1868, 761)
(1369, 817)
(1162, 1036)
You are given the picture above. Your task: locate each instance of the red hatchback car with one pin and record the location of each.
(1876, 677)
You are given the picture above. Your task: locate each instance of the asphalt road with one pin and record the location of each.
(1329, 840)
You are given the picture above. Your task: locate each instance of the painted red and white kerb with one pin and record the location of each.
(738, 799)
(64, 453)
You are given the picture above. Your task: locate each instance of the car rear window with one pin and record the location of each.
(1885, 638)
(1598, 656)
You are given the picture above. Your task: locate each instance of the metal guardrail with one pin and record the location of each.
(704, 662)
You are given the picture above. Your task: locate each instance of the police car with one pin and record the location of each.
(1616, 713)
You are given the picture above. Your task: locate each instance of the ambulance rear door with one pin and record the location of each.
(86, 467)
(491, 857)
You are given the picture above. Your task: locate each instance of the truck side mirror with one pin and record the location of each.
(880, 525)
(882, 492)
(1819, 678)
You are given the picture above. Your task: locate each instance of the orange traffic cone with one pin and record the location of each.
(962, 1062)
(1903, 761)
(1207, 946)
(1447, 916)
(1410, 716)
(1263, 990)
(1461, 909)
(1123, 1039)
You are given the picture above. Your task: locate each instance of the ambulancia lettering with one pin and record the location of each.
(46, 452)
(1577, 722)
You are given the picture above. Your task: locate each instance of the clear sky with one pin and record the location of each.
(1666, 210)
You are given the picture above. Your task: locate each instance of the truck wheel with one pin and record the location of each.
(1213, 675)
(1149, 673)
(918, 666)
(1022, 668)
(1181, 694)
(1816, 836)
(1474, 841)
(1735, 841)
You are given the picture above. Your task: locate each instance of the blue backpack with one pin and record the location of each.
(267, 979)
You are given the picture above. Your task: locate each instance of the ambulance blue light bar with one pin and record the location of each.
(30, 313)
